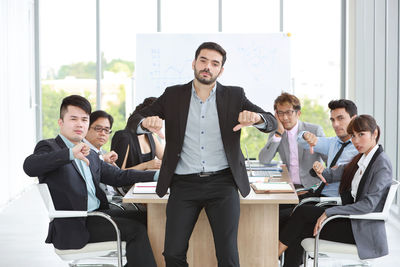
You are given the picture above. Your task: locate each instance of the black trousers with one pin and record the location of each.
(285, 211)
(301, 225)
(132, 225)
(219, 197)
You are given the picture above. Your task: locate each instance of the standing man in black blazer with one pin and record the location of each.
(203, 164)
(73, 173)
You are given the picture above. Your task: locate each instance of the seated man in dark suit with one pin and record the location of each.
(73, 172)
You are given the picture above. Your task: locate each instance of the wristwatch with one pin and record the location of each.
(278, 133)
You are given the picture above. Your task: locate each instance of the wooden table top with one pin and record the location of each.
(251, 198)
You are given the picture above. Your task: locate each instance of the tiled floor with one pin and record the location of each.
(23, 227)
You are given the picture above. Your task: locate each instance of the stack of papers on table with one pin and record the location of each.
(145, 188)
(274, 187)
(258, 179)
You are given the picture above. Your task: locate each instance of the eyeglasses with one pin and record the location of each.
(288, 113)
(100, 129)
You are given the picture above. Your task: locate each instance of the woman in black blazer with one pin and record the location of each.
(144, 152)
(139, 152)
(365, 182)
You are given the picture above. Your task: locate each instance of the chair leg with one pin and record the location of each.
(305, 258)
(316, 251)
(362, 263)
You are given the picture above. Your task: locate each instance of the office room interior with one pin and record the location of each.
(53, 48)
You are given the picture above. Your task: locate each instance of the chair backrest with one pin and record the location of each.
(390, 198)
(46, 197)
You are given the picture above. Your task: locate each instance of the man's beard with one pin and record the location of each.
(202, 80)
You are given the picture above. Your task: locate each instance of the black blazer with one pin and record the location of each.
(120, 142)
(50, 162)
(173, 107)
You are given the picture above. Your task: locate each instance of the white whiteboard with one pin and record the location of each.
(260, 63)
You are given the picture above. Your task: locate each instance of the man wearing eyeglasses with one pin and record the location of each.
(100, 124)
(98, 134)
(73, 172)
(284, 141)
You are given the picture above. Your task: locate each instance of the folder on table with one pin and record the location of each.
(274, 187)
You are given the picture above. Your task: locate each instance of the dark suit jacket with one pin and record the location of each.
(50, 162)
(173, 107)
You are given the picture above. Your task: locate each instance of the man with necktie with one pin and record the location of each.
(339, 149)
(99, 131)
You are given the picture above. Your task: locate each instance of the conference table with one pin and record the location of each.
(258, 228)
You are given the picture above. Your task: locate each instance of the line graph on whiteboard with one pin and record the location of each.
(257, 62)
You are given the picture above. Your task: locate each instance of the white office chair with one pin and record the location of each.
(102, 251)
(313, 246)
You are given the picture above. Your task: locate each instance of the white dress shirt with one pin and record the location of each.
(362, 166)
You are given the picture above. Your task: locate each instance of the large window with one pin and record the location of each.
(315, 57)
(68, 55)
(251, 16)
(120, 20)
(68, 48)
(189, 16)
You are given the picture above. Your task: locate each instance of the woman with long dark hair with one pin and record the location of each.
(365, 182)
(137, 151)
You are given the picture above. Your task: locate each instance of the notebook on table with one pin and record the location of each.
(275, 187)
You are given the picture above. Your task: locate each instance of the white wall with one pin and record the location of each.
(17, 120)
(374, 68)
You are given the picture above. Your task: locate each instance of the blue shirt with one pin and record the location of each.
(93, 201)
(330, 146)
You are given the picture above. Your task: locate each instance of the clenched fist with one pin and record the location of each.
(247, 118)
(110, 157)
(311, 139)
(153, 124)
(80, 151)
(319, 168)
(154, 164)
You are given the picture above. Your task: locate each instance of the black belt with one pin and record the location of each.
(207, 174)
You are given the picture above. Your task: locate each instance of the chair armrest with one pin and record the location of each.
(309, 199)
(302, 189)
(114, 198)
(324, 201)
(67, 214)
(108, 217)
(306, 200)
(117, 198)
(316, 239)
(337, 199)
(370, 216)
(312, 188)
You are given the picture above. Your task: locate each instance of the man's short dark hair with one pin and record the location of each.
(212, 46)
(100, 114)
(76, 101)
(348, 105)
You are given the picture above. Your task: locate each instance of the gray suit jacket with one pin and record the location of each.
(306, 159)
(370, 235)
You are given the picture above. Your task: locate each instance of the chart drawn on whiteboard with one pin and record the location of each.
(260, 63)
